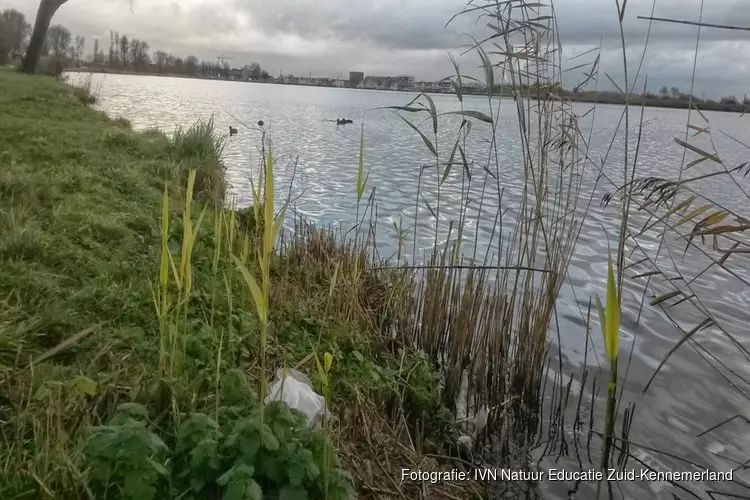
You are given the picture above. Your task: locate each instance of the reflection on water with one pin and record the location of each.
(690, 394)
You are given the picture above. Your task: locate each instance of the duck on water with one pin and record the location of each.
(343, 121)
(233, 131)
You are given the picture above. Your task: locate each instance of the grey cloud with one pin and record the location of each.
(209, 20)
(398, 24)
(409, 36)
(581, 23)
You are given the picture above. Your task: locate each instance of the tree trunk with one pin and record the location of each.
(47, 9)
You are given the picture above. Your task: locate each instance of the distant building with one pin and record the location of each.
(371, 83)
(404, 82)
(355, 78)
(444, 86)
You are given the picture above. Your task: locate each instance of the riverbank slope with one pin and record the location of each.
(130, 360)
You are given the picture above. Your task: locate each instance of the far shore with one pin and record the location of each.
(583, 97)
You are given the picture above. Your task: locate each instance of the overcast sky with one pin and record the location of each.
(386, 37)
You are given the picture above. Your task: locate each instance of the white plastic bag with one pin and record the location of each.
(470, 426)
(296, 392)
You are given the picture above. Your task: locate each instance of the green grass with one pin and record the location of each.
(81, 326)
(79, 197)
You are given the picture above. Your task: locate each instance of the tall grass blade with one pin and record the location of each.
(427, 142)
(612, 334)
(702, 326)
(471, 114)
(164, 264)
(258, 298)
(360, 168)
(269, 204)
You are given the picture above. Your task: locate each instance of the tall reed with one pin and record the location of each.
(260, 292)
(487, 318)
(609, 319)
(173, 316)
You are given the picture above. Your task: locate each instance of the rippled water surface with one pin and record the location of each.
(686, 398)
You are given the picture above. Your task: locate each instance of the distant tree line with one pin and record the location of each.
(124, 53)
(674, 93)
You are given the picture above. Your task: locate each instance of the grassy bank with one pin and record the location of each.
(132, 350)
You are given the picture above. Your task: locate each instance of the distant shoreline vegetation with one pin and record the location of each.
(681, 101)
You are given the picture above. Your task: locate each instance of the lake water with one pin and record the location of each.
(693, 392)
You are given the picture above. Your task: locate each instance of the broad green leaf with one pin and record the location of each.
(290, 493)
(233, 225)
(296, 474)
(269, 440)
(158, 467)
(163, 267)
(472, 114)
(428, 206)
(465, 162)
(156, 301)
(85, 385)
(258, 298)
(196, 228)
(328, 361)
(458, 84)
(321, 372)
(407, 108)
(254, 492)
(279, 222)
(433, 113)
(453, 154)
(489, 71)
(175, 274)
(612, 314)
(135, 486)
(424, 138)
(269, 200)
(218, 216)
(602, 319)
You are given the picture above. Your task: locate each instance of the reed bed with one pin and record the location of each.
(485, 319)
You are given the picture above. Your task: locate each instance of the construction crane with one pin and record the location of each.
(222, 58)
